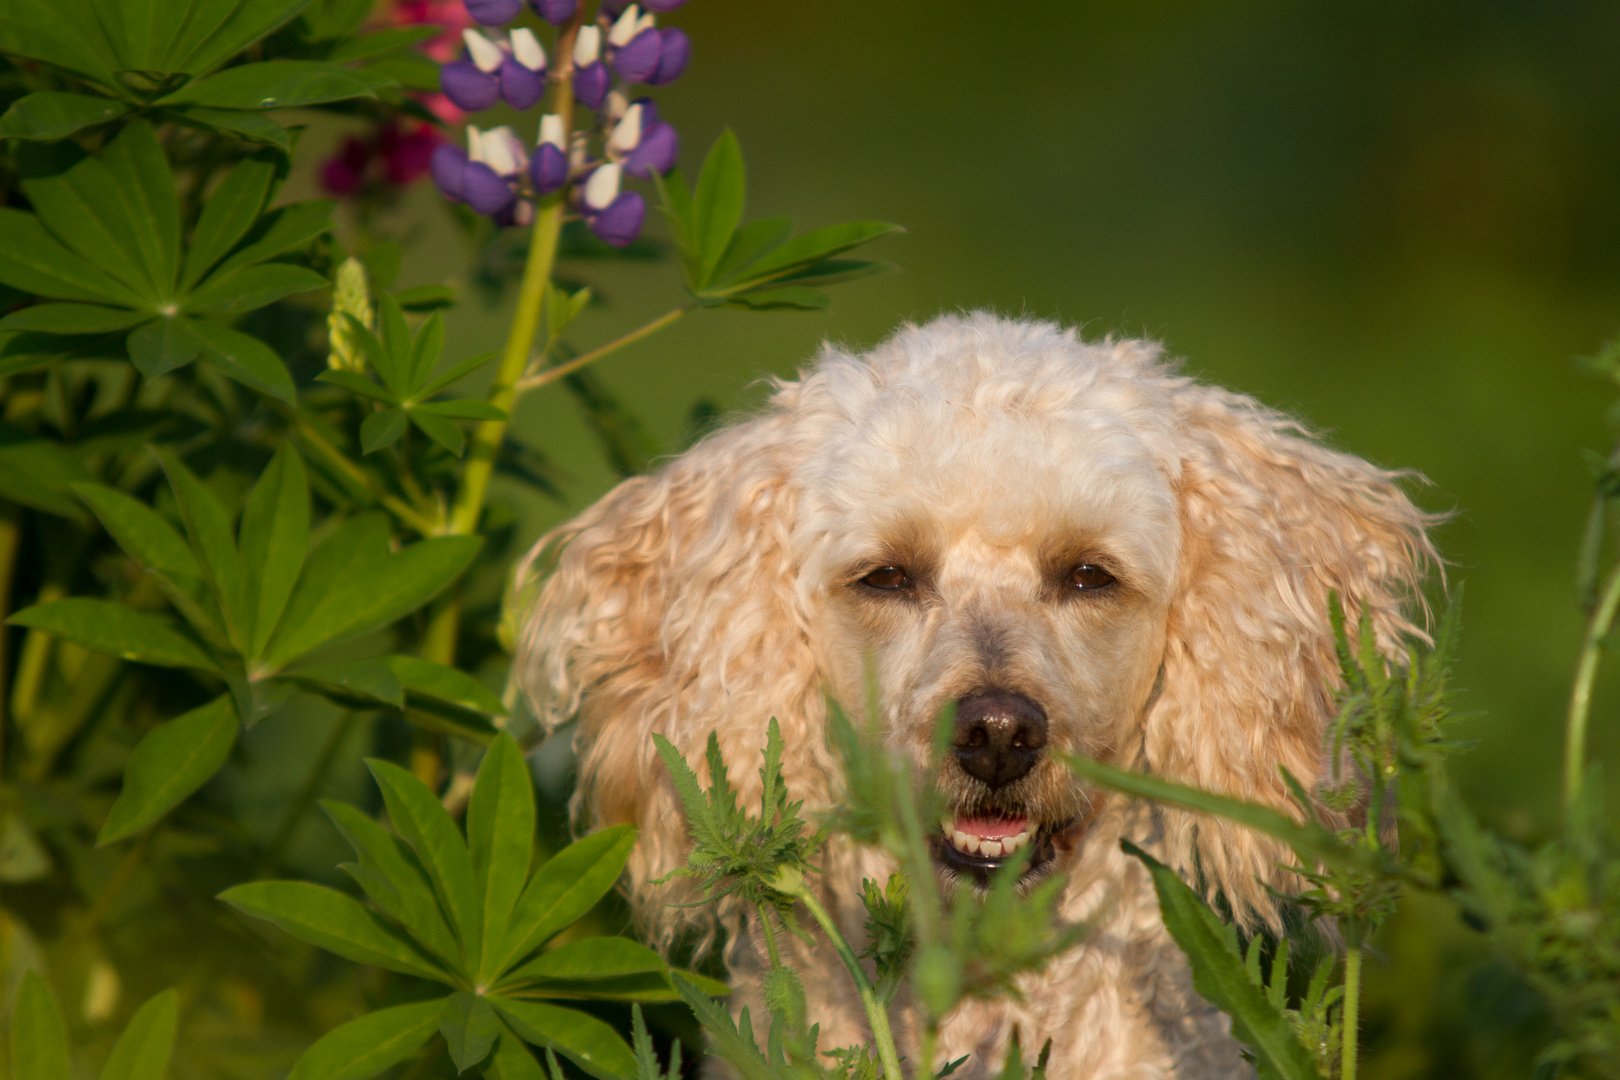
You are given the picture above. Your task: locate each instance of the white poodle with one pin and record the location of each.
(1082, 548)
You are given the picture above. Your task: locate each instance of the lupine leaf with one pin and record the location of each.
(335, 922)
(512, 1060)
(142, 1051)
(440, 430)
(591, 1044)
(749, 244)
(253, 287)
(427, 679)
(819, 244)
(227, 215)
(137, 164)
(564, 889)
(426, 297)
(209, 527)
(500, 839)
(39, 472)
(144, 534)
(39, 1046)
(361, 540)
(108, 627)
(246, 359)
(173, 760)
(590, 958)
(1219, 976)
(73, 319)
(366, 1046)
(423, 823)
(717, 205)
(36, 29)
(364, 46)
(34, 261)
(395, 880)
(356, 383)
(470, 1027)
(90, 210)
(355, 684)
(393, 362)
(277, 84)
(56, 114)
(455, 371)
(274, 538)
(164, 344)
(425, 348)
(789, 297)
(241, 123)
(461, 409)
(648, 986)
(280, 231)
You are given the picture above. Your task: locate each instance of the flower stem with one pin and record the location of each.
(876, 1015)
(1580, 698)
(552, 374)
(1352, 1011)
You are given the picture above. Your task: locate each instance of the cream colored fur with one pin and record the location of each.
(988, 453)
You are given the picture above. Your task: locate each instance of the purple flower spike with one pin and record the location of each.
(519, 86)
(649, 111)
(661, 5)
(621, 221)
(591, 84)
(638, 59)
(656, 153)
(555, 12)
(548, 168)
(449, 162)
(468, 88)
(494, 12)
(484, 190)
(677, 49)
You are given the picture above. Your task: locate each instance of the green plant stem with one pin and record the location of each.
(876, 1015)
(1352, 1011)
(359, 481)
(770, 936)
(552, 374)
(1580, 698)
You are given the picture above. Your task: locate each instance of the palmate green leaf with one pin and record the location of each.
(39, 472)
(437, 428)
(107, 627)
(470, 1027)
(56, 114)
(34, 261)
(461, 409)
(393, 361)
(142, 1052)
(39, 1046)
(375, 589)
(513, 1061)
(333, 921)
(73, 319)
(277, 84)
(423, 823)
(588, 1042)
(749, 244)
(285, 229)
(424, 298)
(562, 890)
(647, 986)
(816, 246)
(274, 537)
(1220, 978)
(369, 1044)
(717, 205)
(163, 344)
(354, 684)
(65, 35)
(428, 681)
(239, 123)
(588, 958)
(137, 163)
(378, 42)
(205, 42)
(425, 347)
(395, 880)
(500, 839)
(789, 297)
(209, 528)
(459, 370)
(356, 383)
(227, 215)
(246, 359)
(172, 761)
(252, 287)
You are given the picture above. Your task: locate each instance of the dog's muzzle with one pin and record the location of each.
(999, 736)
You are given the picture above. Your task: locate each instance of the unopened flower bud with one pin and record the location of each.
(555, 12)
(526, 49)
(553, 132)
(591, 84)
(638, 60)
(626, 133)
(482, 51)
(620, 222)
(483, 190)
(446, 167)
(646, 22)
(494, 12)
(469, 87)
(503, 151)
(675, 50)
(602, 187)
(521, 86)
(587, 45)
(548, 168)
(656, 153)
(624, 28)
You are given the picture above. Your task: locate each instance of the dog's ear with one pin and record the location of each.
(1272, 521)
(671, 610)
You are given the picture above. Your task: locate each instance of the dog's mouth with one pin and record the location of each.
(977, 845)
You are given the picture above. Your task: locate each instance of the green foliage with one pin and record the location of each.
(39, 1039)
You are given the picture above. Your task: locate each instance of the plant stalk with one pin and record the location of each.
(876, 1015)
(1352, 1011)
(1580, 698)
(552, 374)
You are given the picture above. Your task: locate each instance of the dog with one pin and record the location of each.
(1080, 548)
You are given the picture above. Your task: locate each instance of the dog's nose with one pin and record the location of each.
(999, 735)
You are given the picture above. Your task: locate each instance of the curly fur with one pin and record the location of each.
(985, 452)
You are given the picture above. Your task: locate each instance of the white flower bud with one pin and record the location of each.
(625, 28)
(577, 152)
(503, 152)
(646, 22)
(587, 45)
(553, 132)
(526, 49)
(603, 186)
(475, 144)
(616, 104)
(485, 53)
(627, 133)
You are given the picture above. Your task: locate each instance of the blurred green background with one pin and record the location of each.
(1396, 220)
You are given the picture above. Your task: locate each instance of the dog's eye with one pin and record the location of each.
(1087, 576)
(886, 577)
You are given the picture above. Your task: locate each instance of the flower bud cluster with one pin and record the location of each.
(500, 176)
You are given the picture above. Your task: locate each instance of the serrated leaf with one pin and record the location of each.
(470, 1028)
(209, 528)
(274, 538)
(591, 1044)
(39, 1046)
(160, 346)
(736, 1045)
(333, 921)
(500, 839)
(246, 359)
(56, 114)
(227, 215)
(34, 261)
(172, 761)
(717, 205)
(277, 84)
(72, 319)
(563, 890)
(107, 627)
(366, 1046)
(423, 823)
(142, 1052)
(252, 287)
(395, 880)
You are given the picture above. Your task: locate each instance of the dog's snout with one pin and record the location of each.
(999, 736)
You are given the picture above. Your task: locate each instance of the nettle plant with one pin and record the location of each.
(248, 535)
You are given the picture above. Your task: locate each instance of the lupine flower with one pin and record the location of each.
(451, 17)
(494, 12)
(548, 168)
(591, 78)
(473, 84)
(626, 133)
(655, 153)
(482, 177)
(555, 12)
(523, 73)
(675, 48)
(449, 162)
(620, 222)
(637, 60)
(625, 27)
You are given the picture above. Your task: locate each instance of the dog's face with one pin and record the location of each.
(1017, 575)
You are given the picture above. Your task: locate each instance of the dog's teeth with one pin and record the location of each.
(965, 841)
(1014, 843)
(990, 849)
